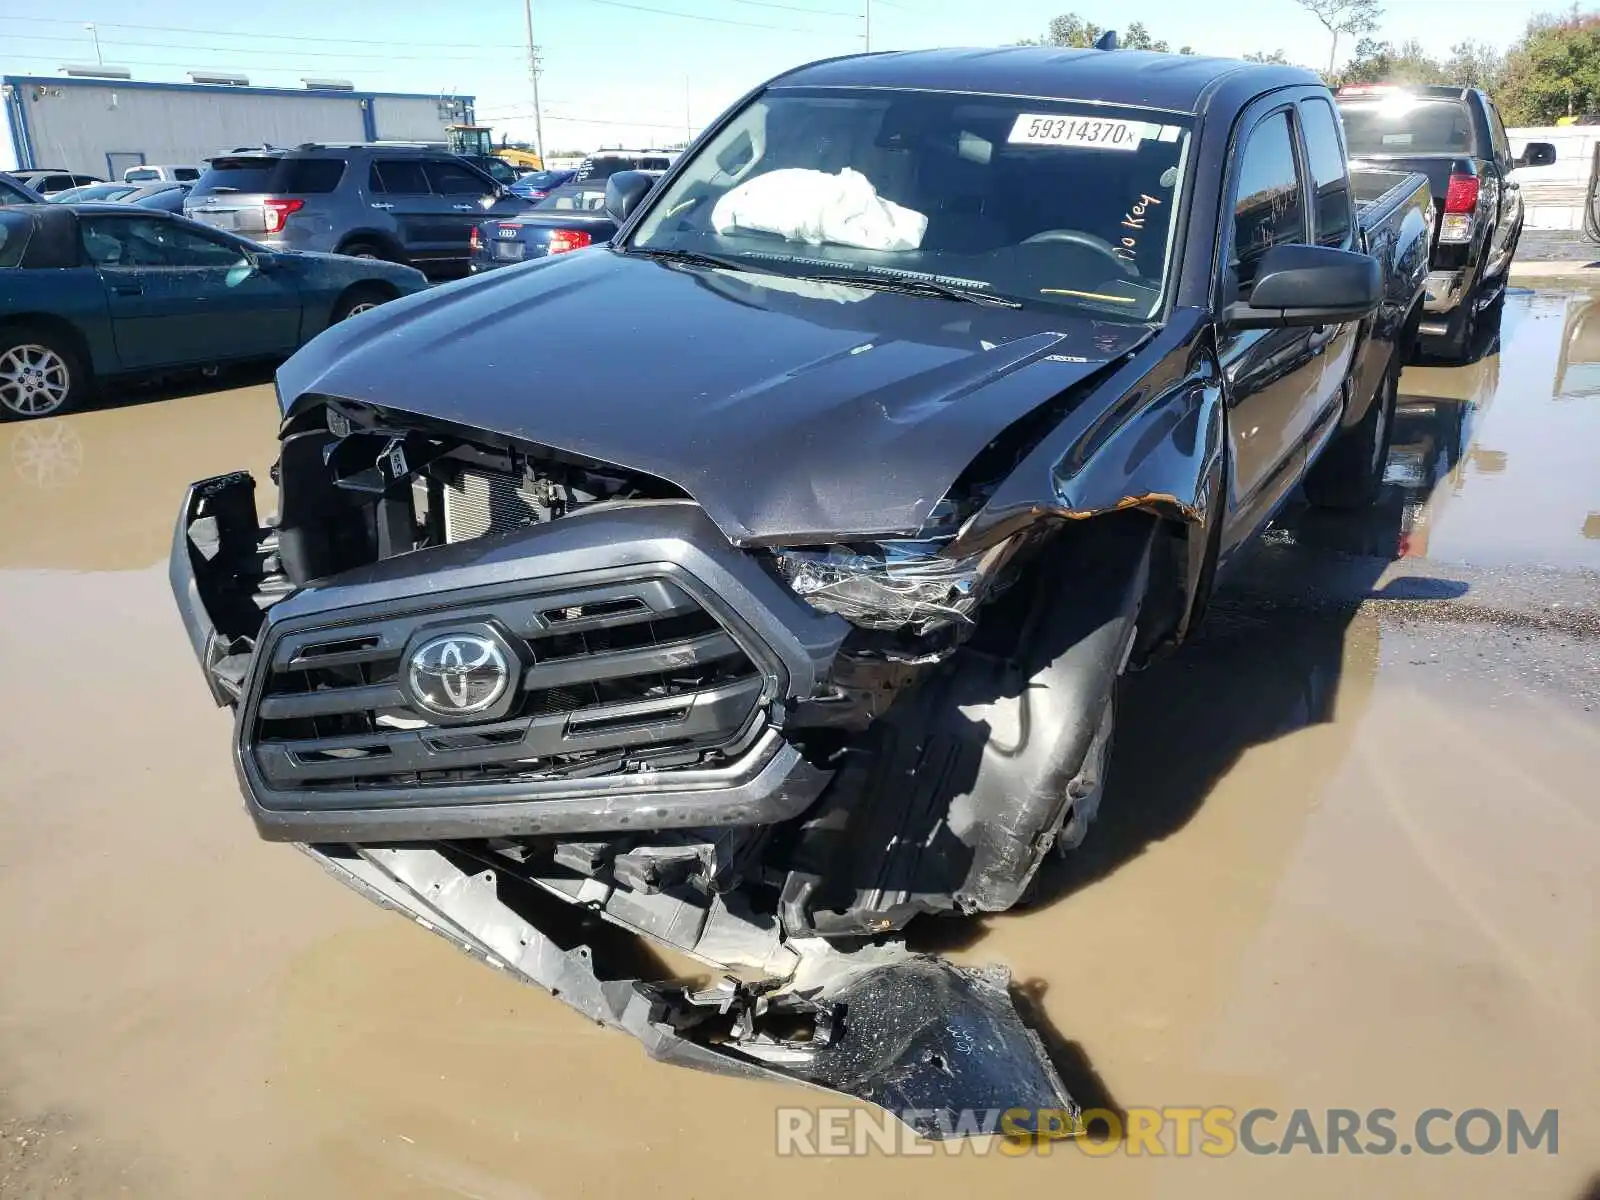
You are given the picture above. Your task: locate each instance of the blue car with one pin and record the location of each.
(94, 291)
(536, 185)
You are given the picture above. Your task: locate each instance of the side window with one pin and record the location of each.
(152, 242)
(1330, 177)
(398, 176)
(184, 174)
(1269, 204)
(454, 179)
(1497, 132)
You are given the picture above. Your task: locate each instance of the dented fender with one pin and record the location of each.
(1150, 436)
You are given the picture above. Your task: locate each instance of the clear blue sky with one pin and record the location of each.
(618, 75)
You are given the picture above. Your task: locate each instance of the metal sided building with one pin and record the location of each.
(101, 126)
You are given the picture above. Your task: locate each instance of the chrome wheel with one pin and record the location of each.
(358, 309)
(34, 380)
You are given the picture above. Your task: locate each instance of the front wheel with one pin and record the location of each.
(358, 301)
(40, 374)
(1350, 471)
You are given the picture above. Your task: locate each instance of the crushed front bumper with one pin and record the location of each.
(941, 1047)
(419, 780)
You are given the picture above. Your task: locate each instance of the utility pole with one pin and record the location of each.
(688, 117)
(95, 34)
(869, 24)
(533, 75)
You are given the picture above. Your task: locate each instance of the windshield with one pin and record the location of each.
(575, 197)
(95, 191)
(1404, 125)
(139, 174)
(1038, 201)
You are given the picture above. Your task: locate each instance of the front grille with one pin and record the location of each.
(479, 502)
(607, 678)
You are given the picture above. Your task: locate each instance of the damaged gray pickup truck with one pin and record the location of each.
(761, 581)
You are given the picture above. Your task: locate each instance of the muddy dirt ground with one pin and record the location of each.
(1350, 858)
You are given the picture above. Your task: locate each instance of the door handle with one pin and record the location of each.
(464, 207)
(383, 206)
(127, 289)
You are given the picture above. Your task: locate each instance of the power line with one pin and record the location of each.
(345, 54)
(812, 12)
(289, 37)
(670, 12)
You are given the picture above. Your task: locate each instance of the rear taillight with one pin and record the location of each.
(1460, 203)
(1462, 194)
(278, 213)
(563, 240)
(475, 242)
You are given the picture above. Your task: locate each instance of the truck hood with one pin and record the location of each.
(791, 411)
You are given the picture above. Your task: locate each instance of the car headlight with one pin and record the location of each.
(892, 585)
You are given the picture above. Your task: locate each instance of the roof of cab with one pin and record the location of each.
(1175, 82)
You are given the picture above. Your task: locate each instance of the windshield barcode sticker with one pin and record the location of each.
(1097, 133)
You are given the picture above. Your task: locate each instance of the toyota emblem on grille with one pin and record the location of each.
(457, 674)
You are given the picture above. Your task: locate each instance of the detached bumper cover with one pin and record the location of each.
(321, 757)
(941, 1047)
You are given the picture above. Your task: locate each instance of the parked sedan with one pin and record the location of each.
(168, 197)
(569, 218)
(94, 291)
(536, 185)
(91, 192)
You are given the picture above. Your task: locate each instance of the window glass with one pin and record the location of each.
(15, 230)
(1406, 125)
(1330, 178)
(399, 176)
(454, 179)
(1049, 203)
(10, 194)
(1269, 209)
(152, 242)
(271, 174)
(186, 173)
(1497, 130)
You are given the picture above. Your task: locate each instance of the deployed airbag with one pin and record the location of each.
(814, 207)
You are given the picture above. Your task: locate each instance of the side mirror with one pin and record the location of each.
(1536, 154)
(266, 261)
(1309, 285)
(624, 190)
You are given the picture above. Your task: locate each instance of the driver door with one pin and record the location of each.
(1273, 377)
(182, 296)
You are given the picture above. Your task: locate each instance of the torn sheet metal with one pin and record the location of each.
(928, 1041)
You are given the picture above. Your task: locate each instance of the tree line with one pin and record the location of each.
(1551, 71)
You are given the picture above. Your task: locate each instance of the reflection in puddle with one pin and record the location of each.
(1496, 462)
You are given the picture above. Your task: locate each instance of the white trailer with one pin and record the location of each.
(98, 126)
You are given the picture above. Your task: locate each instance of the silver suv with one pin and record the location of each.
(408, 204)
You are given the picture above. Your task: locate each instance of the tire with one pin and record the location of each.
(41, 374)
(357, 301)
(363, 250)
(1350, 472)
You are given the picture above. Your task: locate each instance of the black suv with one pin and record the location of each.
(405, 203)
